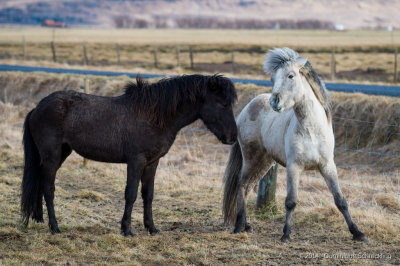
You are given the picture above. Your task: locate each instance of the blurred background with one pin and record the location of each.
(346, 40)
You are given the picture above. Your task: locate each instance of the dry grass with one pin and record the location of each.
(187, 205)
(298, 38)
(137, 46)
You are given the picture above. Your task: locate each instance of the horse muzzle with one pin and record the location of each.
(274, 102)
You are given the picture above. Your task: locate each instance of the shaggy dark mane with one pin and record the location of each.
(159, 101)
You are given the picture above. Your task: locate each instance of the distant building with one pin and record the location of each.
(339, 27)
(53, 24)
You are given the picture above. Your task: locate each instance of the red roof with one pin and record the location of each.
(52, 23)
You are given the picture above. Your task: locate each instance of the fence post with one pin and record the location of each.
(191, 57)
(155, 58)
(333, 65)
(395, 76)
(118, 55)
(267, 188)
(178, 51)
(86, 89)
(53, 50)
(23, 48)
(233, 62)
(85, 58)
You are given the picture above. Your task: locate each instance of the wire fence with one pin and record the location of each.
(208, 58)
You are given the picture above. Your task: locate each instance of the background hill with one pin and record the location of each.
(205, 13)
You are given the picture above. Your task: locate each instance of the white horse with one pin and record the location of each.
(297, 133)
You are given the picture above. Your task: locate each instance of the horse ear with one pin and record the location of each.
(301, 62)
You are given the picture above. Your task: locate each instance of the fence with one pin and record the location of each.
(334, 63)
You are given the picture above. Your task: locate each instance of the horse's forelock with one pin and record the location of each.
(279, 57)
(225, 85)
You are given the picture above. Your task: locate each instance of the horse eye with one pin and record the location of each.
(290, 76)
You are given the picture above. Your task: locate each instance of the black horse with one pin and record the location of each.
(136, 128)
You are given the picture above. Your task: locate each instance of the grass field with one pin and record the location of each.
(188, 193)
(298, 38)
(361, 55)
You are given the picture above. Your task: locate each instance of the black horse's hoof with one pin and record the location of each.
(154, 231)
(237, 230)
(249, 229)
(285, 238)
(361, 238)
(127, 232)
(55, 230)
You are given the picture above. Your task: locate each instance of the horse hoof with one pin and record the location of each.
(127, 233)
(249, 229)
(285, 239)
(55, 231)
(361, 238)
(237, 231)
(154, 231)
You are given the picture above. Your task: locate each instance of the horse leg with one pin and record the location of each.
(135, 170)
(49, 167)
(329, 173)
(293, 172)
(252, 172)
(147, 196)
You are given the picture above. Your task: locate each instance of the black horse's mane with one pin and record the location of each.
(159, 101)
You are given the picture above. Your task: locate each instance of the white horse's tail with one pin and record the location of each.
(231, 184)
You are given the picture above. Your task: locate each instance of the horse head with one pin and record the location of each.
(216, 111)
(284, 65)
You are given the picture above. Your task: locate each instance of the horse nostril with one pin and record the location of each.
(277, 98)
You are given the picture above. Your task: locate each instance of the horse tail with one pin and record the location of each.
(231, 184)
(32, 192)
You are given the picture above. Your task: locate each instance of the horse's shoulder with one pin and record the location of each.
(259, 103)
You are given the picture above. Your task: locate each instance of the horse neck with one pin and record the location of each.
(309, 111)
(186, 114)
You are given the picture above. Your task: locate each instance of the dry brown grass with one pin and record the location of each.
(298, 38)
(187, 205)
(137, 46)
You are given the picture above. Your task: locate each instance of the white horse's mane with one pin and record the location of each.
(281, 57)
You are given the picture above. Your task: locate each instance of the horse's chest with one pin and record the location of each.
(308, 148)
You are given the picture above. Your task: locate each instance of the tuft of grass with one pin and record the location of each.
(389, 201)
(90, 195)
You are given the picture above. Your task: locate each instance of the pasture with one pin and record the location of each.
(188, 194)
(362, 56)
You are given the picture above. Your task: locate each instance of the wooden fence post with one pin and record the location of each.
(85, 58)
(267, 188)
(395, 76)
(178, 51)
(23, 48)
(333, 65)
(53, 50)
(155, 58)
(191, 57)
(118, 55)
(233, 62)
(86, 89)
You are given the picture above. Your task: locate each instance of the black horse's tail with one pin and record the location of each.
(231, 184)
(32, 192)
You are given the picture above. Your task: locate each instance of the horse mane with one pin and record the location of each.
(318, 87)
(281, 57)
(159, 101)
